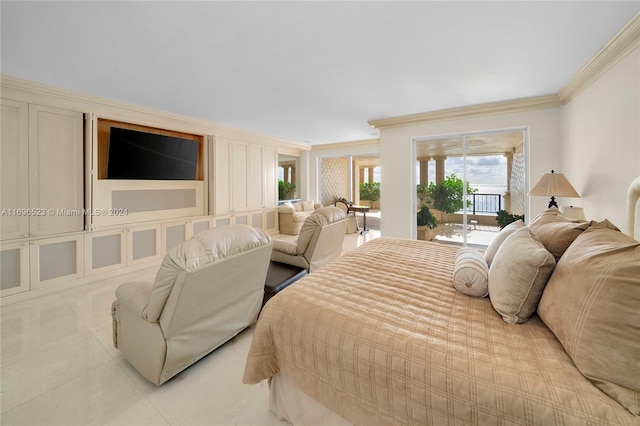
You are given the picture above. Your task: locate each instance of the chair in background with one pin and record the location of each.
(207, 290)
(352, 221)
(320, 240)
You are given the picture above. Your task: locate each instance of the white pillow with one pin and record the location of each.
(491, 251)
(471, 273)
(518, 275)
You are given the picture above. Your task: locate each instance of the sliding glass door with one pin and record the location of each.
(466, 179)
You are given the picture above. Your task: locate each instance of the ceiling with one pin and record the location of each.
(478, 144)
(311, 72)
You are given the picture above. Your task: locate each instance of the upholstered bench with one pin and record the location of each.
(280, 276)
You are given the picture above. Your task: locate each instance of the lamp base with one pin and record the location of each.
(553, 203)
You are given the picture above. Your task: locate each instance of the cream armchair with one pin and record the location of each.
(320, 240)
(292, 216)
(207, 290)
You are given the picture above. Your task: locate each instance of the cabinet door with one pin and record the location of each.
(105, 251)
(14, 268)
(143, 244)
(255, 184)
(14, 169)
(269, 178)
(174, 234)
(55, 170)
(56, 260)
(222, 176)
(239, 177)
(198, 225)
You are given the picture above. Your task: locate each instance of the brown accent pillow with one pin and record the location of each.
(492, 249)
(518, 274)
(592, 305)
(556, 231)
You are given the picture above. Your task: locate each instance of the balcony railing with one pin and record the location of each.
(485, 203)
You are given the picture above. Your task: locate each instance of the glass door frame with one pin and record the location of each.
(463, 136)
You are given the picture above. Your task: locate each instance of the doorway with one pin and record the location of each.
(487, 170)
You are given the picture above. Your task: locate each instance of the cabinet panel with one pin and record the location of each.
(143, 244)
(256, 220)
(222, 176)
(174, 234)
(56, 260)
(14, 169)
(55, 170)
(105, 251)
(239, 177)
(198, 226)
(269, 179)
(255, 184)
(14, 268)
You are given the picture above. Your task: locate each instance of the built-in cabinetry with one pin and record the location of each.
(245, 182)
(42, 196)
(65, 222)
(42, 170)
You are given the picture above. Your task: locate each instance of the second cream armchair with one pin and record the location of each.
(292, 216)
(320, 240)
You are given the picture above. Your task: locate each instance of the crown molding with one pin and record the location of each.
(33, 92)
(501, 107)
(318, 147)
(627, 39)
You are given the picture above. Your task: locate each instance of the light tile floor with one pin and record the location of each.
(58, 366)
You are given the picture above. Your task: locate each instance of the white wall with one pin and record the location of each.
(397, 160)
(601, 141)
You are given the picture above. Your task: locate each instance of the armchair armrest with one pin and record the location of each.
(134, 296)
(287, 247)
(286, 209)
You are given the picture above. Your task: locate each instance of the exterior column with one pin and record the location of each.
(370, 174)
(439, 168)
(424, 172)
(293, 174)
(361, 176)
(286, 174)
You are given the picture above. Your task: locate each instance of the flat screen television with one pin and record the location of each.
(140, 155)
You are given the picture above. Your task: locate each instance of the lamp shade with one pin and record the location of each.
(554, 185)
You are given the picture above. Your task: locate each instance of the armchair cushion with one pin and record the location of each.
(287, 247)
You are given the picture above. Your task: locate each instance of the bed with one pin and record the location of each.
(381, 336)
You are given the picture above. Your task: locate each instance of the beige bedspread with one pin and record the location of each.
(380, 336)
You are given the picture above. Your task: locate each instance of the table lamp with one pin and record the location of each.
(555, 185)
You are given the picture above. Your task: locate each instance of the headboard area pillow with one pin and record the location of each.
(556, 231)
(518, 274)
(471, 273)
(493, 247)
(592, 304)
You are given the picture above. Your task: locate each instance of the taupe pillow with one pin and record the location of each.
(556, 231)
(592, 305)
(518, 274)
(471, 273)
(492, 249)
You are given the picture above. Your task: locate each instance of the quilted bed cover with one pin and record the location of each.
(380, 336)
